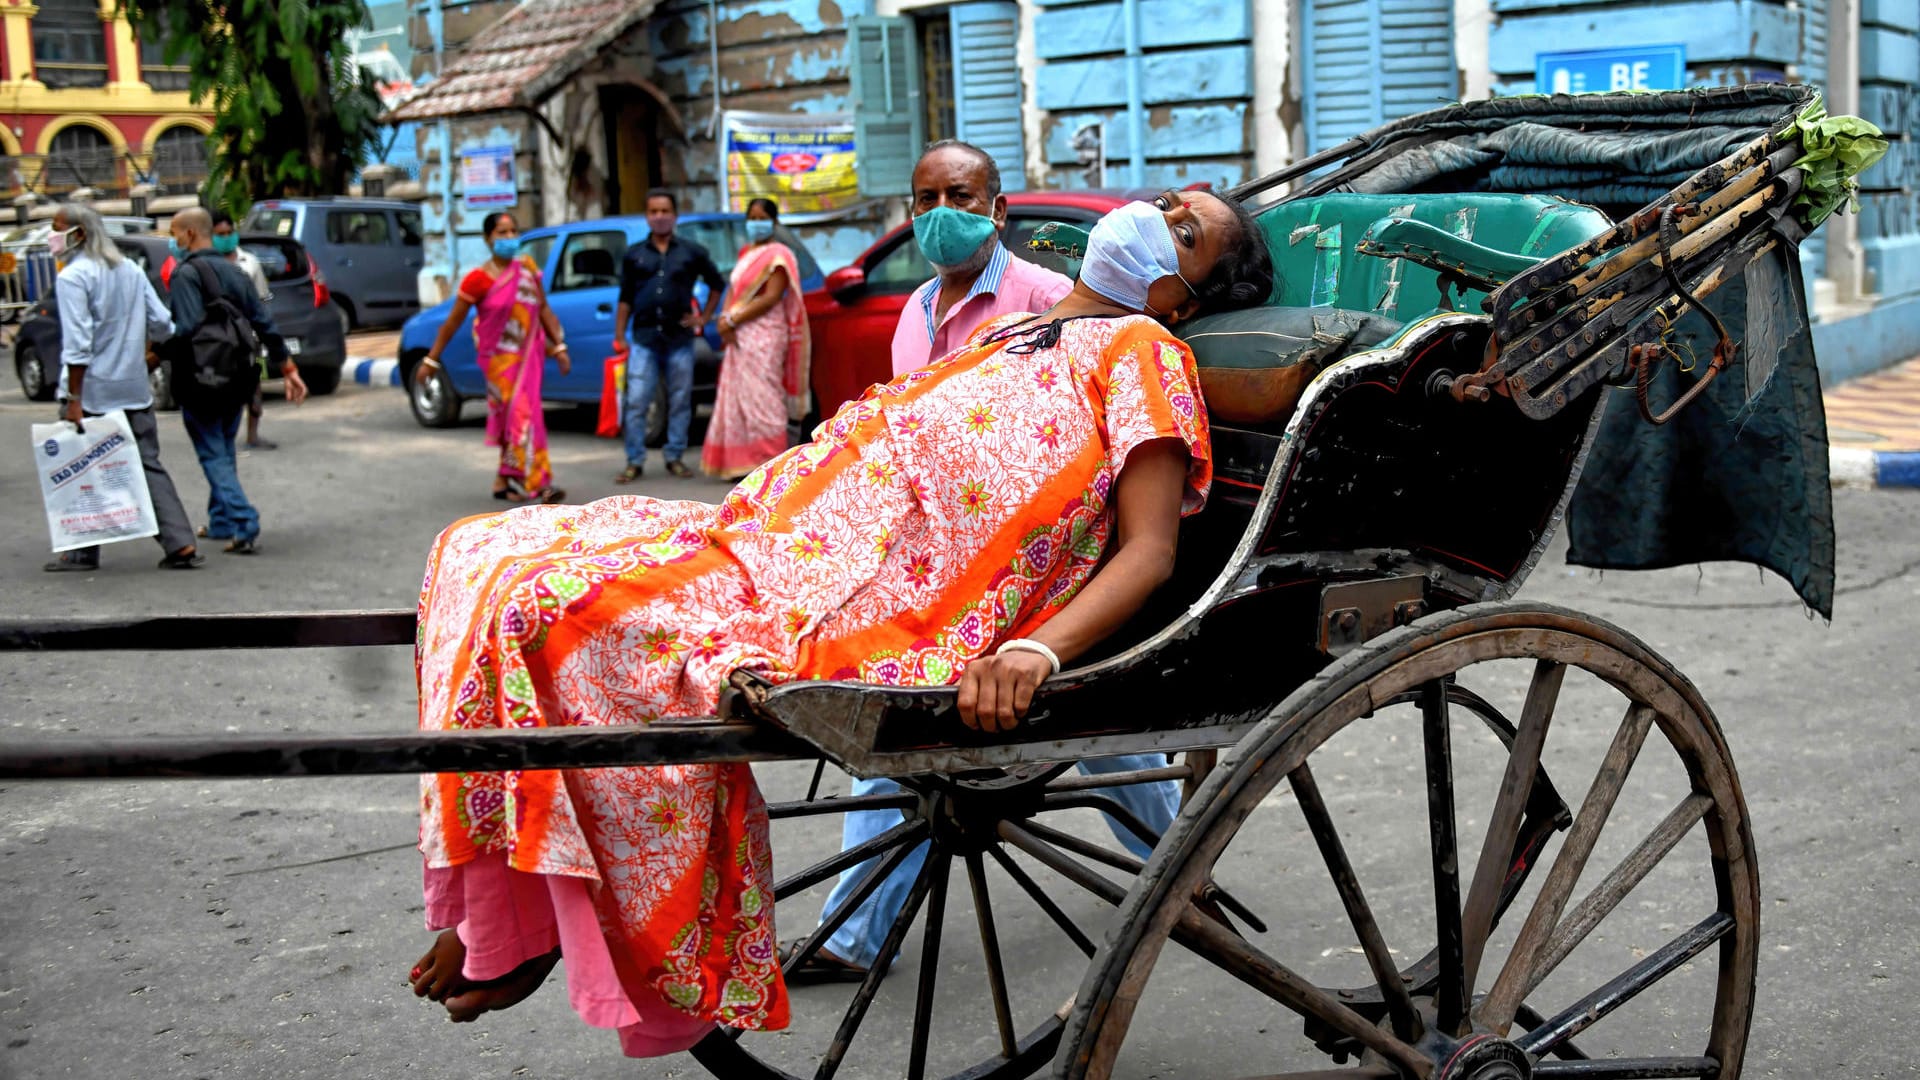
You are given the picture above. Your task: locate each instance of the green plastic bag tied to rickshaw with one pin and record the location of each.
(1837, 149)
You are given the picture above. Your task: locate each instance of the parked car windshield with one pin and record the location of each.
(277, 222)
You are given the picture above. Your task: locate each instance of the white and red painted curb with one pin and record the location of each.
(1853, 467)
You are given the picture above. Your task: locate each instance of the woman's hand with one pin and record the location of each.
(995, 691)
(728, 328)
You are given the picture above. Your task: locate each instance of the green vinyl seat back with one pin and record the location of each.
(1314, 241)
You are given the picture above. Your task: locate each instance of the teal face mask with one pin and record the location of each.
(759, 229)
(949, 237)
(226, 245)
(506, 247)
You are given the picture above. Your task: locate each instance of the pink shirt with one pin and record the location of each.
(1007, 285)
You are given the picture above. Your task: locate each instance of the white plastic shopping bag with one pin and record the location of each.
(92, 482)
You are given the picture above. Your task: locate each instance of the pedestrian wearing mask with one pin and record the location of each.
(514, 331)
(958, 215)
(958, 212)
(219, 321)
(108, 311)
(226, 242)
(763, 377)
(656, 293)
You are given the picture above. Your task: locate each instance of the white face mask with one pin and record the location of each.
(1129, 250)
(57, 242)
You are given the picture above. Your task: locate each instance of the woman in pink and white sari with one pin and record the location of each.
(763, 377)
(513, 332)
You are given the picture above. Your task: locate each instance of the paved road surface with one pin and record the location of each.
(251, 929)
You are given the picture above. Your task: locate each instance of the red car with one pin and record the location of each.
(852, 316)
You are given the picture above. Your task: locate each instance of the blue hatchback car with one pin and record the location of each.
(581, 264)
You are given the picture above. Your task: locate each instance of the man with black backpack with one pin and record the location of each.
(219, 324)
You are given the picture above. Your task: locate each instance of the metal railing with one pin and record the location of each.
(26, 273)
(111, 173)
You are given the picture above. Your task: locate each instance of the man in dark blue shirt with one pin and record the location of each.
(656, 291)
(213, 418)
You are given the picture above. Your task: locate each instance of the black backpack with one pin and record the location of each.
(224, 346)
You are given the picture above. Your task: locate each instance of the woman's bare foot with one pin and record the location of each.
(437, 974)
(475, 997)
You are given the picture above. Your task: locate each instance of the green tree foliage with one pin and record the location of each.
(293, 114)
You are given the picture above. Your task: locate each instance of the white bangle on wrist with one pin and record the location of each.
(1021, 644)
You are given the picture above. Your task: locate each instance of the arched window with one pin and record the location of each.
(180, 160)
(70, 44)
(80, 157)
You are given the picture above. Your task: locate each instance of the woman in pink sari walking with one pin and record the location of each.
(513, 332)
(763, 376)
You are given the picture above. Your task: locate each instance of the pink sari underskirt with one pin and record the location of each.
(506, 918)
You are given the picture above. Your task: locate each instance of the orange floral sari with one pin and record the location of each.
(940, 514)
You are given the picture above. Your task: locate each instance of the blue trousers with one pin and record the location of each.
(228, 511)
(859, 939)
(645, 368)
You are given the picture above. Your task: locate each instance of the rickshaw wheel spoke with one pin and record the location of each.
(1437, 736)
(990, 946)
(1043, 901)
(1497, 1010)
(1607, 895)
(1408, 679)
(1406, 1023)
(1621, 989)
(1503, 825)
(832, 923)
(870, 986)
(929, 966)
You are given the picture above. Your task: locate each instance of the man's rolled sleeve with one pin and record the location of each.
(77, 328)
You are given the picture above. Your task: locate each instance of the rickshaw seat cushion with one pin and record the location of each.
(1255, 362)
(1315, 244)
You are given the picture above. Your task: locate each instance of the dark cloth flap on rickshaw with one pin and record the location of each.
(1727, 478)
(1255, 362)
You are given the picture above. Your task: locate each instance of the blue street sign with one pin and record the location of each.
(1645, 67)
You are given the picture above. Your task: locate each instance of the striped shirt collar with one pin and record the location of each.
(987, 284)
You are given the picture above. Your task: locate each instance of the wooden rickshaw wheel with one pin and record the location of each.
(1449, 1016)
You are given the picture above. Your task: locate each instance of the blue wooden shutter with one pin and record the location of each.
(889, 119)
(1370, 61)
(986, 85)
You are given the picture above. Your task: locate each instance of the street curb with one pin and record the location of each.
(1851, 467)
(371, 372)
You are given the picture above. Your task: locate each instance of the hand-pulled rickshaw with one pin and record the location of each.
(1466, 287)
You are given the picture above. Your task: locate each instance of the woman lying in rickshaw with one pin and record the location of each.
(981, 522)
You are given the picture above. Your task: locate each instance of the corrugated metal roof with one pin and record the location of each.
(522, 58)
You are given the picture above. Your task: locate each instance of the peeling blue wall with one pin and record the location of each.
(1197, 70)
(783, 56)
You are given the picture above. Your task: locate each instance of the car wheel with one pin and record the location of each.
(320, 381)
(432, 397)
(160, 380)
(32, 371)
(345, 308)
